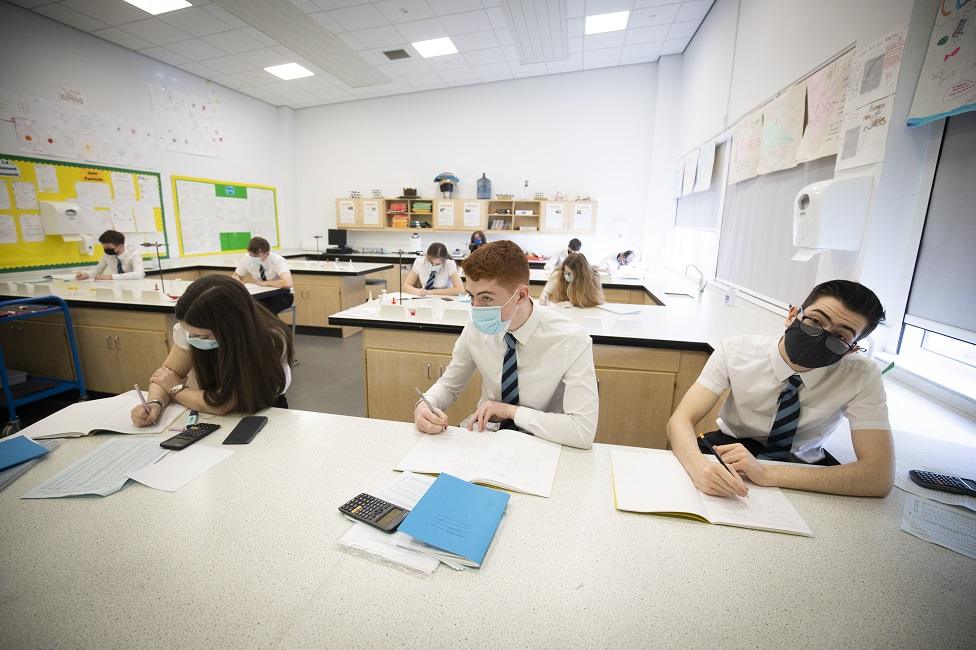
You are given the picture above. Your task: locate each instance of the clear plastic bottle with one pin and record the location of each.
(484, 187)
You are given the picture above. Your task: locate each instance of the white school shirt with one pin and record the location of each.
(131, 265)
(274, 267)
(179, 339)
(422, 267)
(558, 397)
(757, 373)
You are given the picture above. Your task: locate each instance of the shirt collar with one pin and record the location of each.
(524, 333)
(782, 370)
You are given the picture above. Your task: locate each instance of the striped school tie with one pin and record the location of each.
(264, 276)
(510, 390)
(780, 439)
(118, 265)
(430, 281)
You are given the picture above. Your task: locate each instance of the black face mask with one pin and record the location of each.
(109, 251)
(808, 351)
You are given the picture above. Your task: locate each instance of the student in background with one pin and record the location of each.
(120, 262)
(619, 261)
(435, 274)
(267, 269)
(536, 364)
(238, 351)
(575, 282)
(478, 240)
(788, 394)
(556, 259)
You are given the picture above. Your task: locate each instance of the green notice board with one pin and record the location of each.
(214, 216)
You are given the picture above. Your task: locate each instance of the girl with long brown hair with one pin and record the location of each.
(574, 281)
(240, 353)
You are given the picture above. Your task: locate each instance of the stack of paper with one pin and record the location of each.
(11, 474)
(17, 450)
(507, 459)
(102, 472)
(109, 415)
(938, 523)
(655, 482)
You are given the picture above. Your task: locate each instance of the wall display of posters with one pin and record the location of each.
(187, 123)
(826, 90)
(947, 84)
(706, 164)
(874, 69)
(221, 217)
(689, 166)
(865, 131)
(746, 141)
(782, 130)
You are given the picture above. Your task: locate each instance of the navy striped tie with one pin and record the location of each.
(510, 391)
(430, 281)
(264, 275)
(780, 439)
(118, 265)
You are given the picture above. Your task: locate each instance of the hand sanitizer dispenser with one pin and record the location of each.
(830, 215)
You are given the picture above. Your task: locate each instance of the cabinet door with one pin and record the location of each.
(100, 360)
(39, 348)
(319, 303)
(138, 354)
(348, 213)
(447, 214)
(371, 214)
(554, 217)
(623, 423)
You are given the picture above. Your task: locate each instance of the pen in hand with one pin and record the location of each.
(717, 456)
(142, 399)
(435, 411)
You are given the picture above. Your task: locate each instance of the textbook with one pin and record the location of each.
(109, 415)
(654, 482)
(456, 519)
(506, 459)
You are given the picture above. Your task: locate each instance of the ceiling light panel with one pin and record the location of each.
(156, 7)
(289, 71)
(435, 47)
(602, 23)
(539, 29)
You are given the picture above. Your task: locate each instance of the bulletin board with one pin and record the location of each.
(221, 216)
(107, 198)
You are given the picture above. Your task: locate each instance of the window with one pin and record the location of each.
(944, 360)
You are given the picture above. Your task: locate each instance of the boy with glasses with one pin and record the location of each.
(787, 395)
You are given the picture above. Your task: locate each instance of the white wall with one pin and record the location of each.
(37, 55)
(580, 133)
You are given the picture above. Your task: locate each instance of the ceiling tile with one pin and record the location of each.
(351, 41)
(574, 62)
(328, 5)
(575, 26)
(228, 64)
(496, 16)
(646, 51)
(425, 79)
(682, 30)
(331, 24)
(606, 6)
(574, 8)
(69, 16)
(255, 77)
(110, 12)
(200, 69)
(404, 11)
(475, 41)
(603, 41)
(379, 36)
(375, 57)
(449, 62)
(234, 41)
(492, 71)
(166, 56)
(575, 44)
(224, 15)
(490, 3)
(695, 10)
(482, 57)
(260, 37)
(530, 70)
(444, 7)
(610, 54)
(674, 46)
(155, 30)
(263, 58)
(663, 15)
(504, 37)
(124, 39)
(260, 92)
(406, 67)
(197, 49)
(231, 82)
(654, 34)
(358, 17)
(30, 4)
(195, 21)
(421, 30)
(640, 4)
(307, 6)
(472, 21)
(458, 75)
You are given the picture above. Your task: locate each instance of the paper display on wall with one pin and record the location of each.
(188, 123)
(472, 214)
(583, 216)
(865, 131)
(371, 213)
(826, 90)
(689, 166)
(947, 83)
(31, 229)
(746, 140)
(8, 230)
(782, 130)
(706, 165)
(4, 196)
(347, 213)
(874, 69)
(554, 217)
(215, 216)
(445, 213)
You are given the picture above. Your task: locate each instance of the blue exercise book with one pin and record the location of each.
(17, 450)
(457, 517)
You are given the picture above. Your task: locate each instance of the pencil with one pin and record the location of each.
(429, 405)
(715, 453)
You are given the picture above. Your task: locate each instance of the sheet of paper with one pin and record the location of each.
(8, 229)
(11, 474)
(782, 129)
(620, 310)
(825, 110)
(4, 195)
(746, 141)
(47, 179)
(149, 190)
(371, 213)
(472, 214)
(652, 482)
(145, 217)
(583, 216)
(453, 451)
(766, 508)
(103, 472)
(555, 218)
(347, 212)
(947, 85)
(865, 132)
(25, 196)
(706, 165)
(445, 213)
(110, 413)
(123, 188)
(179, 468)
(516, 460)
(949, 526)
(689, 165)
(904, 482)
(874, 69)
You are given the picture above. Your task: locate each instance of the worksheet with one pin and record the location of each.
(102, 472)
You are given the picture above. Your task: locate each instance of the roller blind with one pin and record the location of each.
(701, 209)
(943, 293)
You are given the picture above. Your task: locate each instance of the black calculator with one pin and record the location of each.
(189, 435)
(375, 512)
(943, 482)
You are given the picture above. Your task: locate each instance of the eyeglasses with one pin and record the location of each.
(810, 326)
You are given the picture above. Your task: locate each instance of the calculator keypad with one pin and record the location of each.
(944, 481)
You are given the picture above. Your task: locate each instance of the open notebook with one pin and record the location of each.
(506, 459)
(109, 415)
(655, 482)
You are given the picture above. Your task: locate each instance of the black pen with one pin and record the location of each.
(715, 453)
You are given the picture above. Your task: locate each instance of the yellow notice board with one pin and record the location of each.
(221, 216)
(101, 198)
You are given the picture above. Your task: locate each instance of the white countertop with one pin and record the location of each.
(246, 556)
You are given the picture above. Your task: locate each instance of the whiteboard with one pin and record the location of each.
(221, 217)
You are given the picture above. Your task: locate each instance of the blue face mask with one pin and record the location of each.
(202, 344)
(488, 320)
(568, 277)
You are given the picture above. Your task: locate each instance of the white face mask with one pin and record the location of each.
(568, 277)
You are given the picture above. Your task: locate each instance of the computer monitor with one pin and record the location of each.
(337, 238)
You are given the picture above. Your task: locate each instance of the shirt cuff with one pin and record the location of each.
(706, 384)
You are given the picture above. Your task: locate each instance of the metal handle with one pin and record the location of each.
(442, 371)
(428, 371)
(108, 342)
(118, 343)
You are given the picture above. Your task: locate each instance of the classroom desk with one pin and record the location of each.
(246, 556)
(645, 362)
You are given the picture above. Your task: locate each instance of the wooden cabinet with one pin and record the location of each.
(319, 296)
(555, 216)
(634, 407)
(582, 217)
(113, 359)
(40, 348)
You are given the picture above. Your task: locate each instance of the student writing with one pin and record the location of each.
(119, 262)
(575, 282)
(267, 269)
(435, 274)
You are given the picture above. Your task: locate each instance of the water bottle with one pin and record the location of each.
(484, 187)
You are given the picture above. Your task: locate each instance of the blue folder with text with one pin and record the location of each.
(457, 517)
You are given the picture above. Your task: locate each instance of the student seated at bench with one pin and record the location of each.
(575, 282)
(262, 267)
(434, 274)
(120, 262)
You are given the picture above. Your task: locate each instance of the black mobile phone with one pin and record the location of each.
(246, 429)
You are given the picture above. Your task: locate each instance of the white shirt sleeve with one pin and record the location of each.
(868, 409)
(101, 266)
(179, 337)
(549, 289)
(715, 375)
(241, 269)
(450, 385)
(138, 271)
(575, 427)
(279, 265)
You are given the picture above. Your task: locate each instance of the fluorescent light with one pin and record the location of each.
(156, 7)
(435, 47)
(288, 71)
(612, 22)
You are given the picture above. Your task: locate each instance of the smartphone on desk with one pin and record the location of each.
(246, 429)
